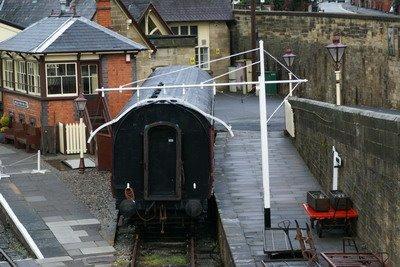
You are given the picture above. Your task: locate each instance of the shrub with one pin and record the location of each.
(5, 121)
(3, 129)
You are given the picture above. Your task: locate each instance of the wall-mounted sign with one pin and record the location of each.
(21, 103)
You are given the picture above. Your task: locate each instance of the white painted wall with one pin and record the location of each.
(7, 31)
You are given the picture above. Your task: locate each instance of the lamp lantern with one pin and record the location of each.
(336, 50)
(289, 57)
(80, 103)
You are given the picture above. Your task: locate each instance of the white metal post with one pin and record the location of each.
(82, 141)
(264, 139)
(338, 88)
(290, 85)
(337, 162)
(38, 167)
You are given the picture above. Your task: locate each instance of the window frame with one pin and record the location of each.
(189, 29)
(10, 73)
(36, 78)
(20, 76)
(76, 79)
(82, 64)
(198, 58)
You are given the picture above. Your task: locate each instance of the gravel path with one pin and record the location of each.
(93, 189)
(10, 244)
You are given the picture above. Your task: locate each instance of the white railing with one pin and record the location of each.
(72, 138)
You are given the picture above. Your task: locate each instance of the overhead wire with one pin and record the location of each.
(190, 67)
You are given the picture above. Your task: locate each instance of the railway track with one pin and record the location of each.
(180, 244)
(171, 245)
(5, 257)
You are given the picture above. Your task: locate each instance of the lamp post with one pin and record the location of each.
(80, 103)
(336, 50)
(289, 57)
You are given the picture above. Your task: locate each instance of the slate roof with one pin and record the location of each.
(26, 12)
(201, 98)
(184, 10)
(136, 7)
(56, 34)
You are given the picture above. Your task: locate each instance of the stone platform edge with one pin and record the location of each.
(6, 219)
(225, 251)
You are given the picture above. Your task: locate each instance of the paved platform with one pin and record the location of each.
(238, 186)
(64, 230)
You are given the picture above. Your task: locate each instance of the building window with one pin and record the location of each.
(203, 56)
(61, 79)
(8, 73)
(193, 30)
(175, 30)
(33, 82)
(185, 30)
(21, 76)
(90, 78)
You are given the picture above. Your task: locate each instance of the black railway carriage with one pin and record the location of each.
(163, 148)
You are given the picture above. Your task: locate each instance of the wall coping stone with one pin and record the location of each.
(380, 114)
(319, 15)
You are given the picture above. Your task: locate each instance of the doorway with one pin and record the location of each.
(162, 161)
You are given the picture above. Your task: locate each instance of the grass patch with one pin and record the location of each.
(162, 260)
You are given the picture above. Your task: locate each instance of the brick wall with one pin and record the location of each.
(103, 13)
(33, 110)
(369, 144)
(63, 111)
(119, 72)
(371, 76)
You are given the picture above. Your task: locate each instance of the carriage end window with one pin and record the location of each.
(61, 79)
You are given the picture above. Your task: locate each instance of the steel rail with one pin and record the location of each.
(7, 258)
(192, 252)
(135, 250)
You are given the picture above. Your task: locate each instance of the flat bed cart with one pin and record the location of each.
(355, 260)
(332, 219)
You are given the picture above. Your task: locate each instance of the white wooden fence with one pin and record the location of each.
(72, 138)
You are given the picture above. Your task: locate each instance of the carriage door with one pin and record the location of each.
(162, 161)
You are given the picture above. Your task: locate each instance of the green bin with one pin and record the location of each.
(272, 89)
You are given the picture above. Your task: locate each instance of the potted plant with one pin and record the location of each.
(4, 124)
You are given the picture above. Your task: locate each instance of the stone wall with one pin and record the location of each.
(164, 57)
(371, 73)
(219, 48)
(368, 142)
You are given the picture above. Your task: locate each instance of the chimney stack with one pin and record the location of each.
(103, 14)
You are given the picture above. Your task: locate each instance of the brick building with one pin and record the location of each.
(47, 65)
